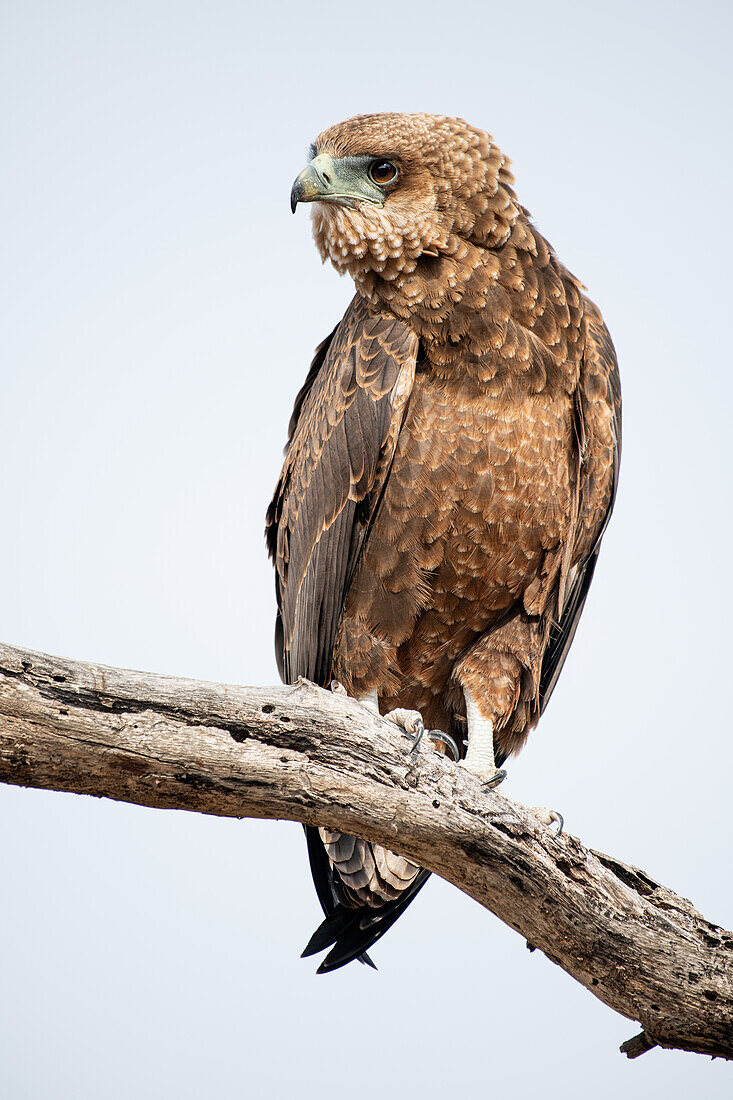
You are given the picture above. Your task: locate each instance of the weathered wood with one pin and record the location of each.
(636, 1046)
(306, 755)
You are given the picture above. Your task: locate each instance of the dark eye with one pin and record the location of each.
(382, 171)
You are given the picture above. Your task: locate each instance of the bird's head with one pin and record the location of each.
(389, 189)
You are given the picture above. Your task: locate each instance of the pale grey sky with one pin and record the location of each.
(160, 307)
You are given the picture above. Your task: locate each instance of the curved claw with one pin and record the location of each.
(496, 779)
(419, 733)
(438, 736)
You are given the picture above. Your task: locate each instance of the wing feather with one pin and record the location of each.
(598, 434)
(342, 438)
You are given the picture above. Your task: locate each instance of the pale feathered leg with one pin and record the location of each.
(479, 757)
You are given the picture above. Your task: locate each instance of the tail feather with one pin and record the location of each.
(359, 935)
(351, 931)
(330, 930)
(322, 879)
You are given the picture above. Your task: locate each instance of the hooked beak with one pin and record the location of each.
(341, 180)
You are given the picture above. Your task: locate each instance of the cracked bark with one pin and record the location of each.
(303, 754)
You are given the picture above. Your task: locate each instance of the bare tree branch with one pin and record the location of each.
(303, 754)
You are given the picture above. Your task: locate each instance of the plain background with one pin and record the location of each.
(159, 310)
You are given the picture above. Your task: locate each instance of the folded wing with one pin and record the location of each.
(598, 430)
(342, 440)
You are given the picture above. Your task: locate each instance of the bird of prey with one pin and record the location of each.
(451, 466)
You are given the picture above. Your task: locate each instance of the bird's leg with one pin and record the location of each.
(479, 757)
(490, 672)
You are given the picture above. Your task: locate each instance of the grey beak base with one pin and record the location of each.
(343, 181)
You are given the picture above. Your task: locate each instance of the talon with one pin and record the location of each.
(419, 734)
(488, 775)
(440, 738)
(495, 780)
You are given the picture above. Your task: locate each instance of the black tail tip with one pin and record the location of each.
(342, 932)
(337, 932)
(327, 932)
(334, 961)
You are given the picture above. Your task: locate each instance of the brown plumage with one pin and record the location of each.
(453, 454)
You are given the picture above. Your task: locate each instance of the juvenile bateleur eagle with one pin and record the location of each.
(450, 469)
